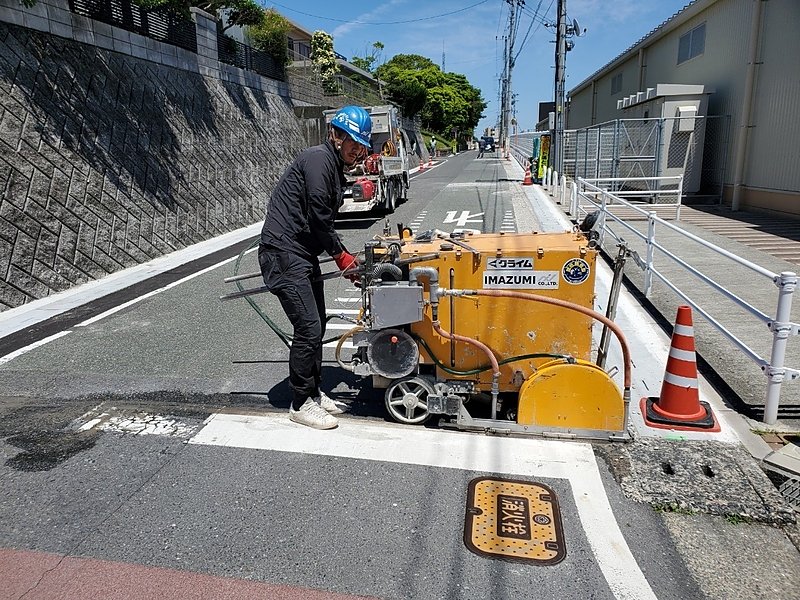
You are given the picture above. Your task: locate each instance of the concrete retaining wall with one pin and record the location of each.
(115, 148)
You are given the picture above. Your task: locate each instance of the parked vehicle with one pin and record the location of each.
(488, 143)
(381, 181)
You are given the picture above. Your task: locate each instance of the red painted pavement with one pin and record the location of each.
(46, 576)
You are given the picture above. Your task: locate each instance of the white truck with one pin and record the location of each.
(381, 182)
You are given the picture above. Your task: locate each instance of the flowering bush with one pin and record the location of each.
(324, 60)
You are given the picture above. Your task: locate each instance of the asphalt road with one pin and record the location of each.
(152, 445)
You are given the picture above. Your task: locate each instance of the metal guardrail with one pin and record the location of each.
(589, 197)
(160, 24)
(653, 190)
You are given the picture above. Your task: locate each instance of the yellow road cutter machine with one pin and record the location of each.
(493, 330)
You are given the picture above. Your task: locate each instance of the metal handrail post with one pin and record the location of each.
(573, 203)
(781, 330)
(615, 165)
(679, 199)
(603, 209)
(659, 147)
(651, 238)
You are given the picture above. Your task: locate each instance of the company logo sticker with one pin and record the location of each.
(575, 271)
(523, 262)
(494, 279)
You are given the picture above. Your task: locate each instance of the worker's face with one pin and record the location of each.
(352, 152)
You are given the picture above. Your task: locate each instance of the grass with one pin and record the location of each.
(673, 507)
(738, 520)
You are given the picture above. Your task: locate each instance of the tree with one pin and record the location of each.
(324, 59)
(240, 12)
(406, 76)
(270, 36)
(369, 59)
(444, 101)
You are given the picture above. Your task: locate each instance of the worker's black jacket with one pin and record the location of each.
(304, 204)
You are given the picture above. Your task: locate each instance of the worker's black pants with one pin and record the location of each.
(291, 278)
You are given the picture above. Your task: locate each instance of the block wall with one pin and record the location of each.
(108, 159)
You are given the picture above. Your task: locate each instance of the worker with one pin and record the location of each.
(298, 227)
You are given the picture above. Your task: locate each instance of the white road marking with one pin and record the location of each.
(11, 356)
(469, 184)
(348, 344)
(365, 440)
(464, 218)
(111, 311)
(30, 313)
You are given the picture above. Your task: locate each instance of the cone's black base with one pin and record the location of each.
(706, 422)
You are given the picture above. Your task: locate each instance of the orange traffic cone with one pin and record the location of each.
(421, 166)
(679, 406)
(528, 180)
(430, 161)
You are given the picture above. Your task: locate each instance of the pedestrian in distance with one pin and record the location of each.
(299, 226)
(433, 147)
(481, 148)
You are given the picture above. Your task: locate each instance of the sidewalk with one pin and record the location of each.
(739, 381)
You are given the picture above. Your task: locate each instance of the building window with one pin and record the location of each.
(692, 43)
(616, 84)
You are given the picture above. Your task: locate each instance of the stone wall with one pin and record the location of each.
(115, 152)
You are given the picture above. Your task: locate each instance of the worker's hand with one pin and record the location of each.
(346, 261)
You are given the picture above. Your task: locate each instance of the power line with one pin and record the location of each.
(540, 23)
(541, 19)
(381, 22)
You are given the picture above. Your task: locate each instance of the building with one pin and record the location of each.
(356, 85)
(747, 52)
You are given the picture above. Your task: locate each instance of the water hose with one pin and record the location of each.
(511, 359)
(284, 336)
(381, 270)
(483, 348)
(347, 366)
(626, 355)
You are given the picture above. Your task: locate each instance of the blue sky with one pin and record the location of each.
(470, 38)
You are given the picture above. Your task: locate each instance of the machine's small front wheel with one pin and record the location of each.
(407, 400)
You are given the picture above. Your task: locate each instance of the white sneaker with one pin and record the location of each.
(331, 406)
(312, 415)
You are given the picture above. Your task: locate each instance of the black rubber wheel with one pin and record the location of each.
(390, 201)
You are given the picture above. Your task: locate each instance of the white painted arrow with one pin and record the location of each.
(466, 217)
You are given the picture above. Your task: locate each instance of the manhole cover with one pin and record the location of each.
(513, 520)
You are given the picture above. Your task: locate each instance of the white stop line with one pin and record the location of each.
(385, 442)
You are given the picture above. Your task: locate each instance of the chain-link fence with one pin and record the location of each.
(642, 148)
(638, 150)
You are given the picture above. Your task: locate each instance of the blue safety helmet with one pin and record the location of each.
(355, 122)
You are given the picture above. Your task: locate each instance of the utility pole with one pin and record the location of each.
(557, 146)
(508, 68)
(501, 90)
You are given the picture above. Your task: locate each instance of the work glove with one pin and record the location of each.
(345, 261)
